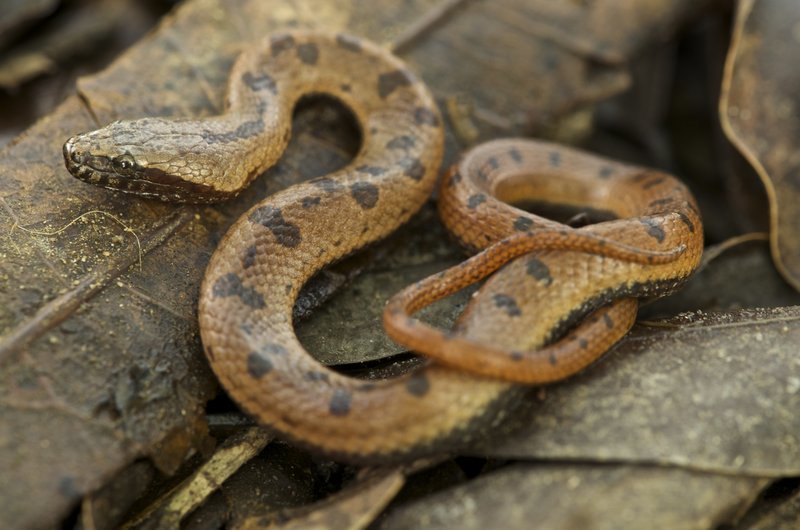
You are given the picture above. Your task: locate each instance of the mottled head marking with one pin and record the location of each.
(118, 158)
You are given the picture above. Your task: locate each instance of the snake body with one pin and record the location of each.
(656, 212)
(255, 274)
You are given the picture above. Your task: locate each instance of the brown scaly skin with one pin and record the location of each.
(255, 274)
(658, 226)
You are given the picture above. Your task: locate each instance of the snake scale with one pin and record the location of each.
(255, 274)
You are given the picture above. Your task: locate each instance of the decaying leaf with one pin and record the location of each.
(714, 391)
(760, 113)
(571, 496)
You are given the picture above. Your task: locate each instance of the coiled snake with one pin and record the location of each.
(256, 273)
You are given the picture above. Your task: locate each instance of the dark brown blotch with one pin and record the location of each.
(231, 285)
(371, 170)
(365, 194)
(455, 179)
(258, 365)
(605, 172)
(391, 81)
(508, 304)
(340, 402)
(654, 229)
(522, 224)
(348, 42)
(539, 270)
(308, 53)
(404, 141)
(286, 233)
(425, 116)
(273, 348)
(493, 163)
(249, 258)
(555, 158)
(418, 385)
(553, 359)
(414, 169)
(515, 155)
(516, 355)
(260, 82)
(326, 184)
(308, 202)
(316, 376)
(583, 343)
(281, 43)
(245, 129)
(608, 321)
(475, 200)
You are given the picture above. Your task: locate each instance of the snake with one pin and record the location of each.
(255, 274)
(477, 192)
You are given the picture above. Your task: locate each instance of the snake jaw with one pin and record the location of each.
(121, 170)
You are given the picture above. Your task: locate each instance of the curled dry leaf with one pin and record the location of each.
(760, 113)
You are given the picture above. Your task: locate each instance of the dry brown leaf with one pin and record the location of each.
(576, 497)
(760, 113)
(716, 391)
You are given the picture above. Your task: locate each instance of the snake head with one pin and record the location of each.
(144, 157)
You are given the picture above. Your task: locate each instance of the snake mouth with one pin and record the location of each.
(122, 173)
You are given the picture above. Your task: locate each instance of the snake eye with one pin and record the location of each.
(123, 163)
